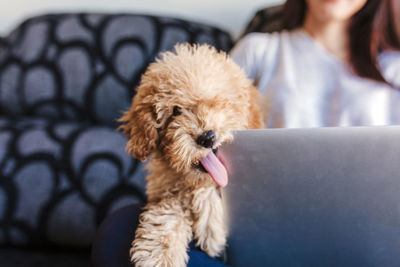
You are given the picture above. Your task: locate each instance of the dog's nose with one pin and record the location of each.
(207, 139)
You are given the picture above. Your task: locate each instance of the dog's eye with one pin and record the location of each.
(177, 111)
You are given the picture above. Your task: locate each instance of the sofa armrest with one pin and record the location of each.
(3, 42)
(266, 20)
(3, 45)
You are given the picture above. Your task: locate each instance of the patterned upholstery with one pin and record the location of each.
(64, 79)
(59, 180)
(83, 67)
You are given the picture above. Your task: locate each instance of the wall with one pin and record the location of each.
(231, 15)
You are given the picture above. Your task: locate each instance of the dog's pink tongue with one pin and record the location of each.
(215, 168)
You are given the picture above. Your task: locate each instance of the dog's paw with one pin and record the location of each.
(209, 225)
(158, 257)
(213, 243)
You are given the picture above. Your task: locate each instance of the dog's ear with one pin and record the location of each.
(139, 125)
(256, 120)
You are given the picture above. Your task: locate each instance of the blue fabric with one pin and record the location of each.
(199, 259)
(114, 237)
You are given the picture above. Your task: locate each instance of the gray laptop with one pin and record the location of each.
(314, 197)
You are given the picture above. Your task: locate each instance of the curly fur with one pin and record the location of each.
(184, 203)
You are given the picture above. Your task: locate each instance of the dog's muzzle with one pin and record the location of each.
(207, 139)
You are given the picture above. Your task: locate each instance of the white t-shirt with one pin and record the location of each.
(306, 86)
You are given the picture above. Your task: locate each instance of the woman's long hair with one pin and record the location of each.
(376, 27)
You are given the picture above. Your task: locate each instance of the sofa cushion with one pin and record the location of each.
(83, 67)
(59, 180)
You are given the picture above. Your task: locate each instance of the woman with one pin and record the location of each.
(336, 63)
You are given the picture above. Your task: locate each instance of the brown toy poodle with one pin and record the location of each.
(188, 103)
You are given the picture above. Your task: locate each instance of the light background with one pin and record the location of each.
(229, 15)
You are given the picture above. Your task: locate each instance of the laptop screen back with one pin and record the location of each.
(314, 197)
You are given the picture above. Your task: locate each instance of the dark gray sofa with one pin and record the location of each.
(64, 79)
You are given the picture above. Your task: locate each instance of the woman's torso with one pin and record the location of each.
(308, 87)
